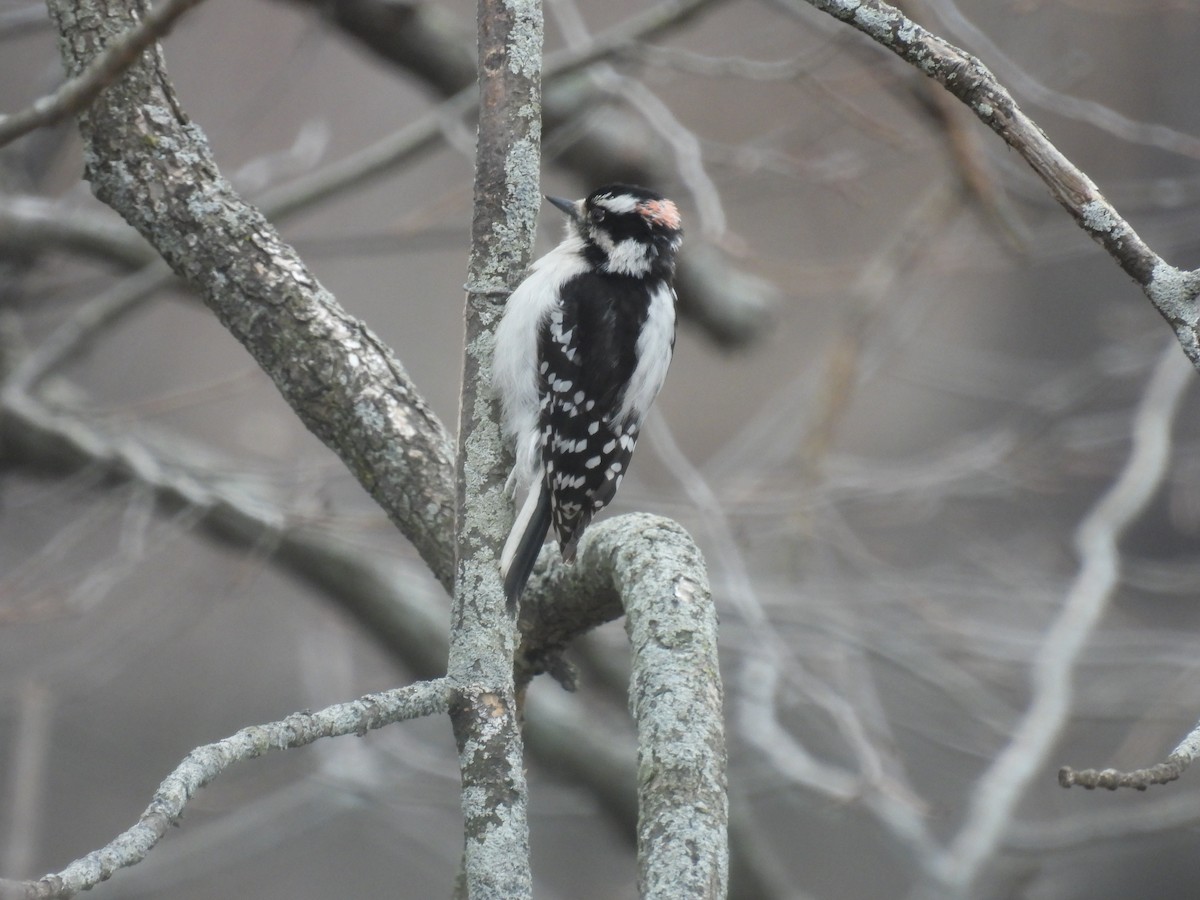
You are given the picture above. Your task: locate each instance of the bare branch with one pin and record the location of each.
(675, 694)
(675, 690)
(1138, 779)
(204, 764)
(1104, 118)
(1169, 812)
(483, 711)
(86, 324)
(730, 301)
(410, 625)
(31, 225)
(156, 169)
(992, 806)
(99, 73)
(1173, 291)
(439, 61)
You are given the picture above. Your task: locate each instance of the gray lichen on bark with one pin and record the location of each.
(147, 161)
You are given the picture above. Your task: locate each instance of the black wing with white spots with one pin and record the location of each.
(588, 354)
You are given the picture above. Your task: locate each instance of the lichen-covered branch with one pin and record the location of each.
(483, 709)
(675, 696)
(1174, 292)
(205, 763)
(150, 164)
(553, 613)
(675, 690)
(147, 161)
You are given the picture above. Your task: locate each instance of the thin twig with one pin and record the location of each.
(358, 168)
(422, 135)
(1101, 117)
(339, 377)
(78, 92)
(1123, 823)
(1138, 779)
(30, 225)
(1173, 291)
(731, 306)
(879, 780)
(88, 322)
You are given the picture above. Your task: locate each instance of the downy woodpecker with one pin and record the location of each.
(581, 353)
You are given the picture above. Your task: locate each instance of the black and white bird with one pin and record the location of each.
(581, 353)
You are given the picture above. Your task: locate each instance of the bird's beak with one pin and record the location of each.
(567, 206)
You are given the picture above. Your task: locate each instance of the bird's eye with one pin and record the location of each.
(596, 214)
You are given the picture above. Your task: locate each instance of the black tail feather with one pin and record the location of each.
(517, 563)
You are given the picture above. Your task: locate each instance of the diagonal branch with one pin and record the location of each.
(408, 623)
(343, 383)
(1173, 291)
(204, 764)
(30, 225)
(150, 164)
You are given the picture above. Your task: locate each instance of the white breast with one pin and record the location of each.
(514, 365)
(654, 348)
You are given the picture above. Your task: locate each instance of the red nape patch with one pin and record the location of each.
(660, 212)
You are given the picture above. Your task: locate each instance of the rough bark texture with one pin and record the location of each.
(675, 691)
(483, 637)
(675, 696)
(147, 161)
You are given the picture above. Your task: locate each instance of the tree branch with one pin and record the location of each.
(1173, 291)
(675, 690)
(483, 710)
(1138, 779)
(675, 695)
(86, 324)
(408, 626)
(204, 764)
(150, 164)
(180, 203)
(30, 225)
(100, 72)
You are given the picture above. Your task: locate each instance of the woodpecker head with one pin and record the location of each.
(625, 230)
